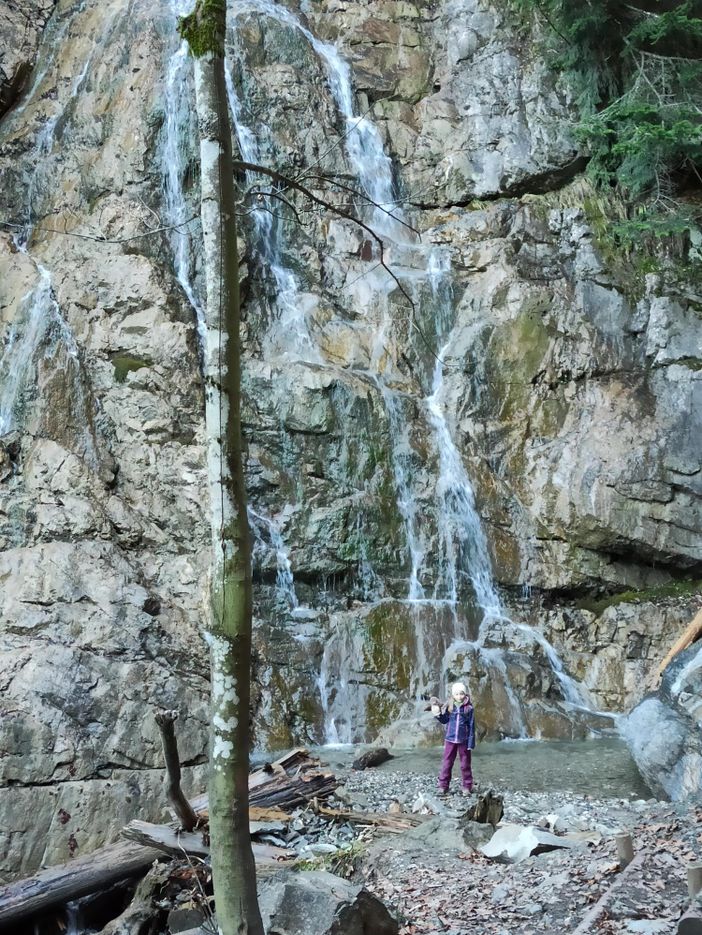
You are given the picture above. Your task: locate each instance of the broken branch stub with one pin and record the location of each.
(184, 811)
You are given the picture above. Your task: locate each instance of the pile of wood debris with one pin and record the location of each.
(287, 819)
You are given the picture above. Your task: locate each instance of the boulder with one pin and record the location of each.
(511, 844)
(691, 922)
(663, 732)
(450, 834)
(320, 902)
(373, 757)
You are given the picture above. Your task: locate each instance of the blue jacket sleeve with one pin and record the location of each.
(443, 718)
(470, 739)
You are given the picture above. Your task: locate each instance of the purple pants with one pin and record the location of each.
(449, 758)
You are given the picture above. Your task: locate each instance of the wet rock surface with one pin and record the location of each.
(22, 23)
(571, 394)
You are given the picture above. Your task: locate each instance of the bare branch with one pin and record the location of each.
(298, 186)
(279, 197)
(359, 194)
(98, 237)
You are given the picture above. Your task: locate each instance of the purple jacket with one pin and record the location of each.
(460, 724)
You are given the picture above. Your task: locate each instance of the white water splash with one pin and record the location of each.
(180, 126)
(285, 584)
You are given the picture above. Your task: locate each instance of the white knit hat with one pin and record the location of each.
(458, 687)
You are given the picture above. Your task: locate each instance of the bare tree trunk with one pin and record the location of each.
(229, 631)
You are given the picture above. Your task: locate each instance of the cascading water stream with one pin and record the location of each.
(285, 584)
(39, 311)
(180, 126)
(290, 337)
(463, 546)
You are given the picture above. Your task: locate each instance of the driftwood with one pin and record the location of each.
(177, 843)
(294, 779)
(395, 823)
(176, 796)
(69, 881)
(136, 918)
(297, 762)
(587, 925)
(690, 635)
(373, 757)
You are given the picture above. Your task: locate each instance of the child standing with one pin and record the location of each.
(457, 715)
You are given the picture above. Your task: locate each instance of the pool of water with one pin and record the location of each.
(601, 767)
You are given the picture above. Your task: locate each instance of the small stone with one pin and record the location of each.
(499, 895)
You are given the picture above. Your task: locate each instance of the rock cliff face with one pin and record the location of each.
(446, 469)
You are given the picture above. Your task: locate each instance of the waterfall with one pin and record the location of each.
(290, 338)
(401, 453)
(285, 585)
(463, 550)
(39, 316)
(21, 342)
(180, 126)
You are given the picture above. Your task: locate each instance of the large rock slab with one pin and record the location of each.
(320, 902)
(511, 844)
(664, 731)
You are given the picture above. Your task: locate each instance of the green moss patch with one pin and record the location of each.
(598, 606)
(126, 363)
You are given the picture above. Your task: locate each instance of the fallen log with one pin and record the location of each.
(177, 843)
(587, 924)
(141, 914)
(80, 877)
(690, 635)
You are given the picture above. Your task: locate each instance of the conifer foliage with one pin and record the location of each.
(636, 66)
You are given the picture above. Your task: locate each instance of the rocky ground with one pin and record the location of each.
(435, 880)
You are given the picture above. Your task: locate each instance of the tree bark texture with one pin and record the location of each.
(229, 630)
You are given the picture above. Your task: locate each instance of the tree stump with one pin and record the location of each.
(488, 810)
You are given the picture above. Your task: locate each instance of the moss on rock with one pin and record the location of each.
(127, 363)
(674, 589)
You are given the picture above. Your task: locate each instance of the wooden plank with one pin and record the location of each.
(587, 925)
(77, 878)
(177, 843)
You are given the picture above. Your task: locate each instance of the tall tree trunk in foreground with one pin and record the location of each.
(229, 631)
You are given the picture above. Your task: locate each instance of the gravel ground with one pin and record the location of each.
(437, 881)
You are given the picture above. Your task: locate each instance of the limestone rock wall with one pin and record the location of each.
(21, 26)
(102, 513)
(570, 390)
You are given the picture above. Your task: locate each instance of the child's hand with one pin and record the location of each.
(435, 710)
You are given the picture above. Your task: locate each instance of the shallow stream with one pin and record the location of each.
(601, 767)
